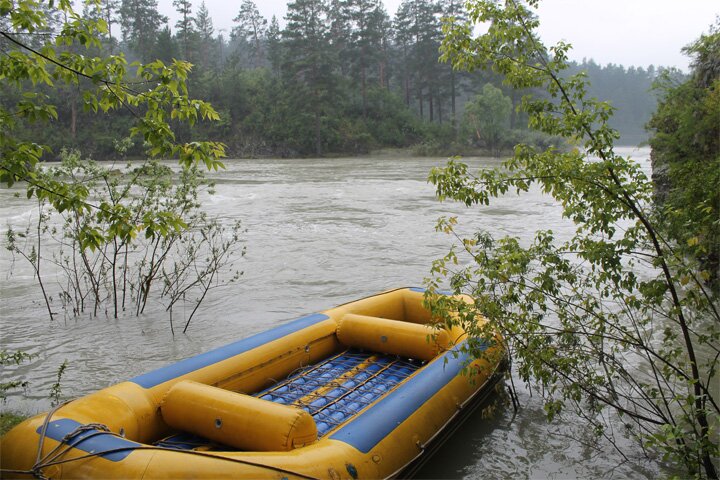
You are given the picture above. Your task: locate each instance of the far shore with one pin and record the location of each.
(387, 152)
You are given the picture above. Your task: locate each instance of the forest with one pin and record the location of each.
(340, 77)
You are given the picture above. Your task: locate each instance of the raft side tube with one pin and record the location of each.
(196, 364)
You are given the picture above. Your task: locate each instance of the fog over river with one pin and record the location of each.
(320, 232)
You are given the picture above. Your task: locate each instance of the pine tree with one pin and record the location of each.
(382, 28)
(140, 22)
(184, 25)
(251, 27)
(308, 66)
(404, 40)
(339, 33)
(274, 46)
(206, 43)
(426, 54)
(111, 9)
(165, 47)
(368, 21)
(418, 35)
(453, 12)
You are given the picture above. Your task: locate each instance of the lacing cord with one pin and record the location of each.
(36, 469)
(54, 456)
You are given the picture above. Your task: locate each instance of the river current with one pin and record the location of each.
(320, 232)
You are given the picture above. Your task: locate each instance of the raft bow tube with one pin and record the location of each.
(364, 388)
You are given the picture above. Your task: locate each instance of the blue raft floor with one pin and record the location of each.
(332, 391)
(338, 388)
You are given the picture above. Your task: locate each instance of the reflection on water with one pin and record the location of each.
(321, 232)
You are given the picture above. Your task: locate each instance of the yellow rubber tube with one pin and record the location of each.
(392, 337)
(237, 420)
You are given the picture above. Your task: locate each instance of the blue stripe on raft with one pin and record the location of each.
(378, 421)
(161, 375)
(98, 442)
(423, 290)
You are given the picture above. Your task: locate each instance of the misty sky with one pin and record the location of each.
(626, 32)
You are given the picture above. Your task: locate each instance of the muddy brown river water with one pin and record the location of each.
(320, 232)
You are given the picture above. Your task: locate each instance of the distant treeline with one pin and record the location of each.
(342, 76)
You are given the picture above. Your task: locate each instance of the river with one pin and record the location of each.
(320, 232)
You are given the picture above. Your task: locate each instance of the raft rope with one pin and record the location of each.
(347, 362)
(36, 470)
(350, 390)
(359, 379)
(54, 456)
(395, 368)
(176, 442)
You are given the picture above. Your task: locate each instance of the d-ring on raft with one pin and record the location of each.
(365, 387)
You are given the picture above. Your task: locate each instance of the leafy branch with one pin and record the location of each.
(577, 320)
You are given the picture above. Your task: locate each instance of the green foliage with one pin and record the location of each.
(113, 267)
(8, 420)
(686, 157)
(56, 388)
(611, 317)
(12, 358)
(324, 96)
(487, 117)
(156, 99)
(105, 221)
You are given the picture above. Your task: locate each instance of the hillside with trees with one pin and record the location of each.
(338, 77)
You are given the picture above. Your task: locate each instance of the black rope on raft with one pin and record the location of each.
(54, 456)
(36, 469)
(156, 448)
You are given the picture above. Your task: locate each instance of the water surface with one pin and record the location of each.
(320, 232)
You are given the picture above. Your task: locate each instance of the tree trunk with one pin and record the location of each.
(407, 91)
(439, 110)
(73, 116)
(420, 102)
(318, 142)
(452, 100)
(364, 91)
(430, 105)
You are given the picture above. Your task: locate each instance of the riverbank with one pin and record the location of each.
(8, 420)
(425, 149)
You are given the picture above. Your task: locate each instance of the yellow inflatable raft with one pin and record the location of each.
(358, 391)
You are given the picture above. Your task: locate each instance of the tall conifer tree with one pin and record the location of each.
(206, 43)
(309, 65)
(274, 45)
(368, 20)
(140, 22)
(184, 25)
(251, 27)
